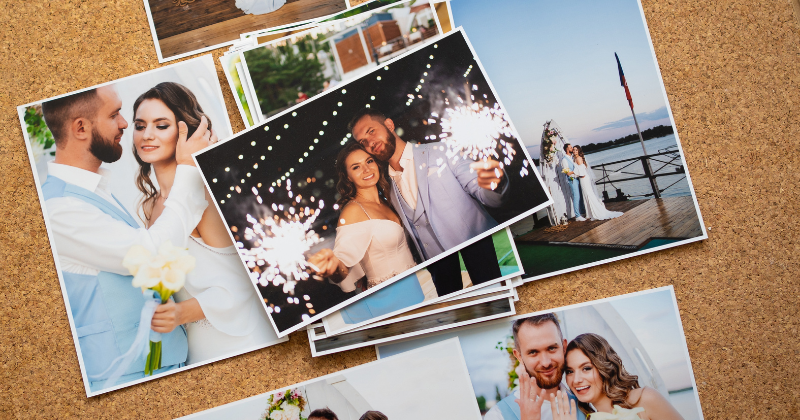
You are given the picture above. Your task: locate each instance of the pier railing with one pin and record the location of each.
(650, 167)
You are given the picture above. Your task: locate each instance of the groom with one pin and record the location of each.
(540, 348)
(92, 230)
(440, 203)
(574, 183)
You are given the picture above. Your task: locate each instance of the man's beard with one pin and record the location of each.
(107, 150)
(389, 146)
(545, 383)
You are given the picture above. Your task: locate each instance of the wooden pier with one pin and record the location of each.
(643, 220)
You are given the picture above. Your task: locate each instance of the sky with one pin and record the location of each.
(560, 65)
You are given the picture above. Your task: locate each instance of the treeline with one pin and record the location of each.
(650, 133)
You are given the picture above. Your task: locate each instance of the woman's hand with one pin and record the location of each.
(563, 408)
(530, 404)
(327, 263)
(169, 315)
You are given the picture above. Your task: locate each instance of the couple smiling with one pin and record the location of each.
(595, 378)
(216, 313)
(391, 190)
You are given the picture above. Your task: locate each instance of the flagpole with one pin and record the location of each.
(641, 139)
(648, 171)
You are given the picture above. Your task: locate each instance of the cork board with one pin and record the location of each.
(731, 71)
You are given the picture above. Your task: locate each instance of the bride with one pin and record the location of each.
(369, 237)
(595, 209)
(218, 302)
(605, 390)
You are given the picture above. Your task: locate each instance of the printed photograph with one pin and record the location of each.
(295, 68)
(429, 383)
(619, 358)
(492, 302)
(370, 182)
(586, 91)
(183, 27)
(386, 302)
(151, 279)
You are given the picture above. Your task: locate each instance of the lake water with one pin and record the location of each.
(686, 403)
(640, 186)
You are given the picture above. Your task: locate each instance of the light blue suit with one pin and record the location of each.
(510, 409)
(106, 308)
(451, 199)
(575, 186)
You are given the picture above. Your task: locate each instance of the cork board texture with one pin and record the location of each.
(731, 70)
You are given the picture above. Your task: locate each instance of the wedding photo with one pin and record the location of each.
(184, 27)
(333, 213)
(624, 355)
(429, 383)
(131, 231)
(385, 303)
(290, 70)
(591, 108)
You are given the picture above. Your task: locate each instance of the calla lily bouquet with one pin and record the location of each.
(159, 276)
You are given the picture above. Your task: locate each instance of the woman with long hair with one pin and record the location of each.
(595, 209)
(595, 374)
(218, 305)
(370, 240)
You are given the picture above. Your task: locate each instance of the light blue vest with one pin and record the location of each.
(510, 409)
(106, 308)
(420, 226)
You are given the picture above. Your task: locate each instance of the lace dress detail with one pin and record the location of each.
(376, 248)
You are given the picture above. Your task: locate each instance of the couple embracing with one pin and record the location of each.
(391, 190)
(597, 384)
(216, 313)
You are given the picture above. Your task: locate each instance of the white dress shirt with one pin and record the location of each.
(547, 414)
(566, 161)
(406, 179)
(88, 241)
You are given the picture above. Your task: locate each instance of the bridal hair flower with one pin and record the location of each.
(618, 413)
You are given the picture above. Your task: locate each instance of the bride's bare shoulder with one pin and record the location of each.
(351, 213)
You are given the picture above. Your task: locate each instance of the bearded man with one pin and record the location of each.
(441, 203)
(92, 231)
(540, 348)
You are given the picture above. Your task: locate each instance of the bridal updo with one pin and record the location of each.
(345, 187)
(617, 382)
(182, 102)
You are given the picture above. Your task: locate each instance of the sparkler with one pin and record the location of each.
(475, 131)
(279, 246)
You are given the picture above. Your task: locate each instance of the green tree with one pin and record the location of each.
(280, 73)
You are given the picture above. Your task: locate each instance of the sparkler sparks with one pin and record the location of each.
(279, 246)
(475, 131)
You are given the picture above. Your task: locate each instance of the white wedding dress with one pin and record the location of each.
(376, 248)
(235, 319)
(259, 7)
(595, 209)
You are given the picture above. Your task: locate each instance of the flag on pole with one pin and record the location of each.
(623, 82)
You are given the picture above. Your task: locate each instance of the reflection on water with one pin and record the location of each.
(639, 186)
(685, 402)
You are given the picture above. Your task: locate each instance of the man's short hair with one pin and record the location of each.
(534, 321)
(565, 146)
(373, 113)
(323, 413)
(58, 113)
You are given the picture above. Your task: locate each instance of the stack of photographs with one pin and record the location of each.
(406, 166)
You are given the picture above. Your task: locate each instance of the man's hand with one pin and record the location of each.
(199, 141)
(530, 404)
(489, 173)
(563, 408)
(166, 318)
